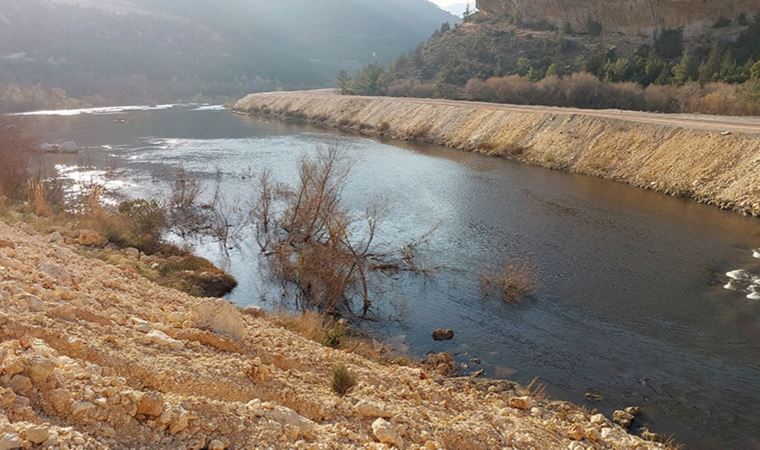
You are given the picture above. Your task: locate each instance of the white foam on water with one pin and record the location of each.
(756, 253)
(210, 108)
(739, 275)
(95, 111)
(754, 295)
(732, 286)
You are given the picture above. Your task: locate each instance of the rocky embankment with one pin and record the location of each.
(713, 160)
(94, 356)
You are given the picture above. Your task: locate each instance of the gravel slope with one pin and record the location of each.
(93, 356)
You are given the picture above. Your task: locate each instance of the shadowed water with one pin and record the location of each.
(631, 304)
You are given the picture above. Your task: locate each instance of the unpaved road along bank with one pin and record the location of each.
(93, 356)
(712, 159)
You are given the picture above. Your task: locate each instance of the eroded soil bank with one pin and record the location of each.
(712, 160)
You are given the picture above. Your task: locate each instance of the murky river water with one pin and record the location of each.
(631, 304)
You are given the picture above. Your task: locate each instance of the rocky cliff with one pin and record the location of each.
(713, 160)
(628, 17)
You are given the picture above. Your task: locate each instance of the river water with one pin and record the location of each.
(631, 305)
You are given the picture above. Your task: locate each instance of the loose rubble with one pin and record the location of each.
(95, 357)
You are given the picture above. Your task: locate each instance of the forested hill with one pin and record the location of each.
(131, 50)
(511, 52)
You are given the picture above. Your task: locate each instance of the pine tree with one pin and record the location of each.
(684, 71)
(344, 82)
(553, 70)
(755, 71)
(728, 68)
(710, 68)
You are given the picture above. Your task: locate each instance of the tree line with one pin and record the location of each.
(481, 61)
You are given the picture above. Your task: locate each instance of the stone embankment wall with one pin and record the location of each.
(701, 161)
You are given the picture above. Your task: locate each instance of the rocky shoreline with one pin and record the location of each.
(95, 356)
(704, 163)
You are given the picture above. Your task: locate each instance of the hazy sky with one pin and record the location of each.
(443, 3)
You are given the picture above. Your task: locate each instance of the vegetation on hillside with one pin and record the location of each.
(488, 59)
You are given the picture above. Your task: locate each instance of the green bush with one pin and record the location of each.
(144, 222)
(593, 27)
(342, 380)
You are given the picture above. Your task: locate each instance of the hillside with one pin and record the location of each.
(666, 56)
(96, 357)
(628, 17)
(116, 51)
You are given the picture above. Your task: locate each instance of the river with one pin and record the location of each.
(631, 305)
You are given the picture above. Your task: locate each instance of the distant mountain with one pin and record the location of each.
(129, 50)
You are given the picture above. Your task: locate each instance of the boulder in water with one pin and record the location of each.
(443, 334)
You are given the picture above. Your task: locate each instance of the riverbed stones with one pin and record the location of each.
(37, 434)
(386, 433)
(55, 237)
(576, 432)
(367, 408)
(10, 441)
(91, 238)
(524, 402)
(157, 337)
(443, 334)
(648, 435)
(623, 418)
(151, 404)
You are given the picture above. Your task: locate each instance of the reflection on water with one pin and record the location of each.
(631, 304)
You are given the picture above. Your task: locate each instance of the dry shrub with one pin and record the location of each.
(314, 244)
(342, 380)
(517, 279)
(20, 154)
(584, 90)
(330, 332)
(418, 134)
(184, 195)
(39, 199)
(411, 88)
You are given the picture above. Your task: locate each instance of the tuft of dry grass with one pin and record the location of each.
(19, 156)
(330, 332)
(517, 279)
(342, 380)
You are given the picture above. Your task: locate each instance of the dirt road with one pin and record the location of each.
(720, 124)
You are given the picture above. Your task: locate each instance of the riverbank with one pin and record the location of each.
(714, 160)
(95, 356)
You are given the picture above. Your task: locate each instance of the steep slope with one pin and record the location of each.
(94, 357)
(158, 50)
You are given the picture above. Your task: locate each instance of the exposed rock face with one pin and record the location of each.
(629, 17)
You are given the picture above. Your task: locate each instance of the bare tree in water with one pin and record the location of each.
(315, 244)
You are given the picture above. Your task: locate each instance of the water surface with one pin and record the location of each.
(631, 304)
